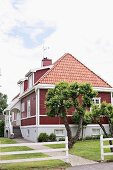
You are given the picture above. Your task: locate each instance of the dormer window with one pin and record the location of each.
(21, 87)
(30, 81)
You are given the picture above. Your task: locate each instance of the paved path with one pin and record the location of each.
(99, 166)
(73, 160)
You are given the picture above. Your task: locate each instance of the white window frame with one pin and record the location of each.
(22, 107)
(59, 132)
(95, 99)
(30, 81)
(28, 108)
(21, 87)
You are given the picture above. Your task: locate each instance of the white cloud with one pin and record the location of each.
(83, 28)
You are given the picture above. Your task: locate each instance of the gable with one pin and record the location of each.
(69, 69)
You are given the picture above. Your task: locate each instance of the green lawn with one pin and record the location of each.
(40, 165)
(89, 149)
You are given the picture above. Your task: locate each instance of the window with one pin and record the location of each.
(23, 107)
(28, 108)
(21, 87)
(96, 100)
(30, 81)
(95, 132)
(59, 132)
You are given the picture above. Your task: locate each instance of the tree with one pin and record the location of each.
(105, 109)
(3, 102)
(81, 95)
(58, 102)
(65, 96)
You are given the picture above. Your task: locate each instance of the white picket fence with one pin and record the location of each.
(102, 146)
(65, 149)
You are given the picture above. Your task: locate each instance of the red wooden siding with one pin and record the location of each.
(32, 98)
(39, 73)
(43, 93)
(46, 120)
(105, 96)
(28, 121)
(25, 85)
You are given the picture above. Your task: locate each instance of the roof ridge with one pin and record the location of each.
(60, 59)
(54, 65)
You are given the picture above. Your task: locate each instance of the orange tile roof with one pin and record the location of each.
(69, 69)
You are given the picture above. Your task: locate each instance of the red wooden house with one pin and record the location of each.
(33, 89)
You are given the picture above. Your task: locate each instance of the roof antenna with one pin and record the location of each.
(44, 48)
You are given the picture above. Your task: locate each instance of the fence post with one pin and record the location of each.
(66, 145)
(101, 148)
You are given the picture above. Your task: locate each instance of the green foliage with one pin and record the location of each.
(52, 137)
(105, 109)
(2, 124)
(65, 96)
(43, 137)
(3, 102)
(58, 100)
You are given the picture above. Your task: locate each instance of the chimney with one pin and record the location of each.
(46, 61)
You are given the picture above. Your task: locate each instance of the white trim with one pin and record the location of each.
(28, 117)
(51, 86)
(38, 106)
(33, 79)
(44, 86)
(22, 80)
(26, 93)
(47, 115)
(96, 125)
(36, 69)
(45, 126)
(56, 126)
(103, 89)
(29, 126)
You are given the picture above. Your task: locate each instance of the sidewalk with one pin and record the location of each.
(73, 160)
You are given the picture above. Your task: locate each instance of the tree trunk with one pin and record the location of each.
(69, 134)
(77, 136)
(105, 133)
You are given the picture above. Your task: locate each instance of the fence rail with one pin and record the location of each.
(36, 151)
(102, 146)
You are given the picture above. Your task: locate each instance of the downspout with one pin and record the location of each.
(10, 125)
(37, 111)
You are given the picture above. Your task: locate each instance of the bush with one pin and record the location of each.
(2, 124)
(52, 137)
(43, 137)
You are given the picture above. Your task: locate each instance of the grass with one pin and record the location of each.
(89, 149)
(39, 165)
(45, 165)
(6, 141)
(56, 146)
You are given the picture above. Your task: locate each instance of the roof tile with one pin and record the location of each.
(69, 69)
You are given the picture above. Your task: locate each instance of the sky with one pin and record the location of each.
(82, 28)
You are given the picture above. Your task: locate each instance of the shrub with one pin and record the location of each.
(43, 137)
(52, 137)
(2, 124)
